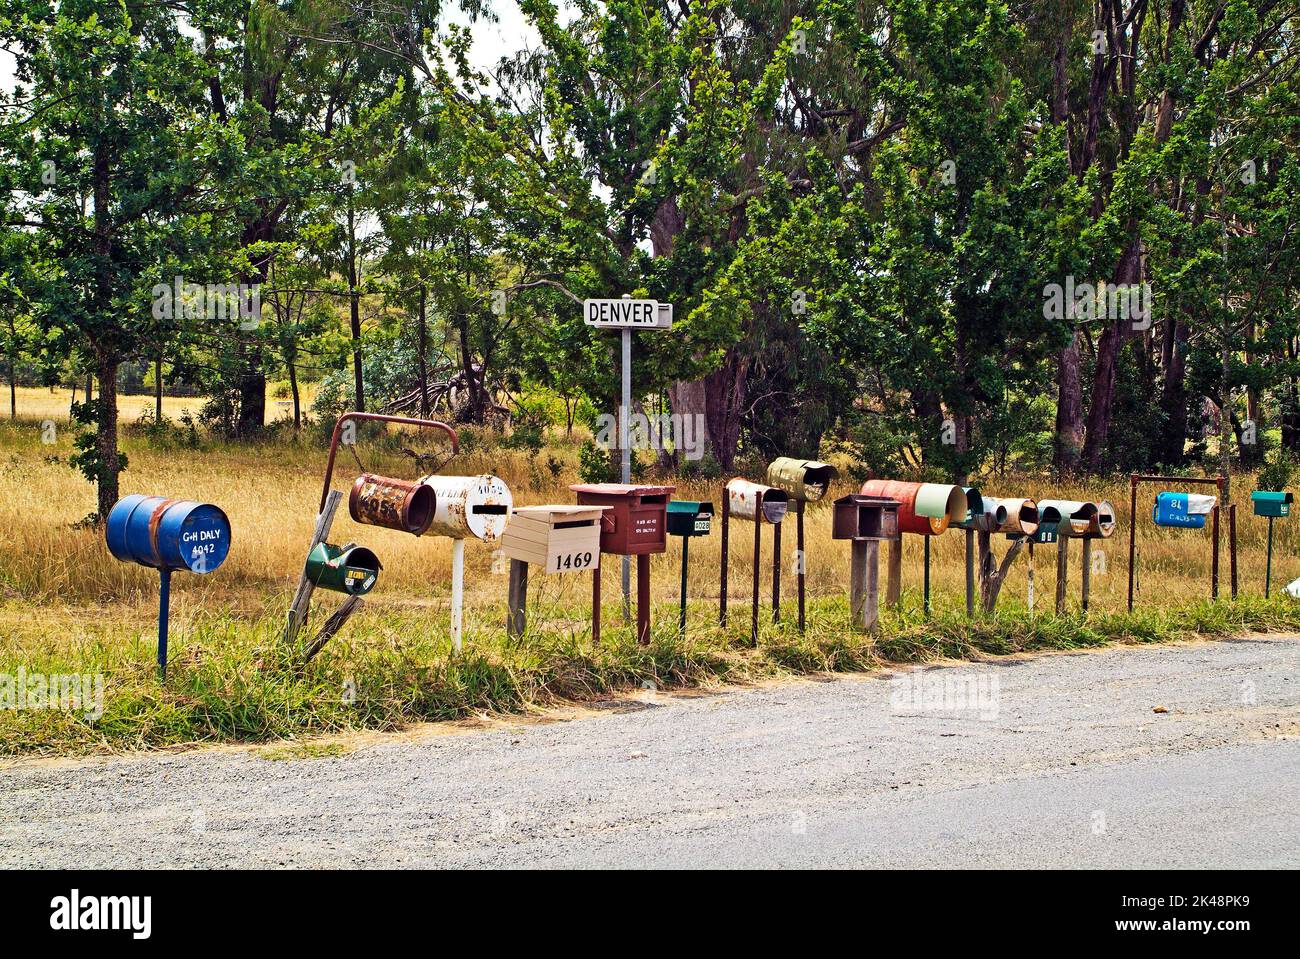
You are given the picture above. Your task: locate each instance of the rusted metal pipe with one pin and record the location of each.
(377, 418)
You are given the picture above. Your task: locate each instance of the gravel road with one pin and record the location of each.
(1056, 760)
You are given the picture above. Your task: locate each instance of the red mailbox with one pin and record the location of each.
(635, 524)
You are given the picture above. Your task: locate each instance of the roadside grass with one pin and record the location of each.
(230, 680)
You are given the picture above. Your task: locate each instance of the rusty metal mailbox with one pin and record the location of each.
(859, 517)
(635, 521)
(756, 502)
(470, 506)
(392, 503)
(805, 481)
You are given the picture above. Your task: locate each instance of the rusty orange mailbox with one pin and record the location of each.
(635, 524)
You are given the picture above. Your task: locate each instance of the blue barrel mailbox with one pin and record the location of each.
(1182, 510)
(167, 535)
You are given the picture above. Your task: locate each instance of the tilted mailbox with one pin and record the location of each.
(865, 521)
(167, 535)
(392, 503)
(350, 569)
(759, 504)
(804, 481)
(1273, 505)
(560, 539)
(635, 524)
(688, 519)
(466, 507)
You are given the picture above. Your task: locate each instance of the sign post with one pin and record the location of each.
(627, 314)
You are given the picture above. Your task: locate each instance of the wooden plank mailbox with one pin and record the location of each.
(803, 481)
(635, 524)
(560, 539)
(924, 509)
(865, 521)
(1273, 505)
(167, 535)
(467, 507)
(688, 519)
(757, 504)
(1181, 510)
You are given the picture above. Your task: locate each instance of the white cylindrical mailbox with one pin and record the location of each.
(756, 502)
(477, 506)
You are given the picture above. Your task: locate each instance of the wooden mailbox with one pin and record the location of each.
(560, 539)
(865, 521)
(635, 524)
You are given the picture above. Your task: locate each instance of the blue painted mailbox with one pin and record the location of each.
(167, 535)
(1182, 510)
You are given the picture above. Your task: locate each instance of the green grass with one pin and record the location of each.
(231, 682)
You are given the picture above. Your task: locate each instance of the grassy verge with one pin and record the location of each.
(230, 682)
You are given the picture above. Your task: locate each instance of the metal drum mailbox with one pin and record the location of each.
(757, 504)
(1102, 524)
(925, 509)
(865, 521)
(1179, 510)
(392, 503)
(1272, 505)
(1015, 517)
(1182, 510)
(804, 481)
(353, 570)
(467, 507)
(560, 539)
(688, 519)
(635, 524)
(167, 535)
(1071, 517)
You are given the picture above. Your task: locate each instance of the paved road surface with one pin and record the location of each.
(1057, 760)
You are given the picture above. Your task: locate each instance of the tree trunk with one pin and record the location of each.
(106, 434)
(1069, 409)
(297, 398)
(354, 308)
(421, 344)
(13, 387)
(157, 391)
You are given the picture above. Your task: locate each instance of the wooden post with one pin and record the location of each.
(864, 584)
(970, 572)
(758, 550)
(643, 600)
(516, 620)
(802, 557)
(776, 573)
(894, 575)
(926, 578)
(1085, 571)
(1062, 567)
(332, 625)
(1029, 590)
(301, 605)
(1214, 558)
(726, 557)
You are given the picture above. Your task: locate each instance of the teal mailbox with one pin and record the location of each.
(1271, 504)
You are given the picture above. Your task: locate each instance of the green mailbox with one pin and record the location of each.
(1269, 503)
(344, 569)
(689, 518)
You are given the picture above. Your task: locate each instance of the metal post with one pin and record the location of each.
(1214, 561)
(1268, 570)
(802, 558)
(758, 553)
(1085, 571)
(726, 558)
(457, 590)
(625, 440)
(1029, 597)
(164, 604)
(927, 575)
(776, 573)
(1132, 533)
(970, 572)
(686, 551)
(1232, 546)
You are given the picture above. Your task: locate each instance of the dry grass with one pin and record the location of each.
(68, 605)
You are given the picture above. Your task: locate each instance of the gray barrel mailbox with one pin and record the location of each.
(467, 507)
(688, 519)
(804, 481)
(865, 521)
(350, 569)
(167, 535)
(1272, 505)
(758, 504)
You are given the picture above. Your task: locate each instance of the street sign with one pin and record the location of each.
(628, 314)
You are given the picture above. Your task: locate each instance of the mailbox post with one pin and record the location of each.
(688, 519)
(560, 539)
(804, 481)
(975, 508)
(925, 509)
(1188, 511)
(635, 524)
(167, 535)
(758, 504)
(1271, 505)
(865, 521)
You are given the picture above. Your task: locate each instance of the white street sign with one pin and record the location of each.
(628, 314)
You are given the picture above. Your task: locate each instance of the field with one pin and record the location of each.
(66, 606)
